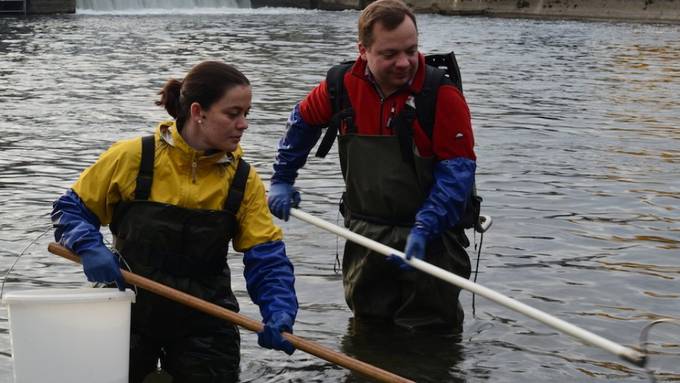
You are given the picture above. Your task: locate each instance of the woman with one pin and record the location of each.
(173, 201)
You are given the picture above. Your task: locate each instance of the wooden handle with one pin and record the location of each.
(245, 322)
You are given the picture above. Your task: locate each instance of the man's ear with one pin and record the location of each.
(362, 50)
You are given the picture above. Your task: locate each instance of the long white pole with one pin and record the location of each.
(624, 352)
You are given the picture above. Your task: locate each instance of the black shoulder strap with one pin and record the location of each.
(237, 188)
(145, 175)
(441, 69)
(335, 81)
(426, 99)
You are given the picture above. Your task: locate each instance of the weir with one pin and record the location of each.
(120, 5)
(665, 11)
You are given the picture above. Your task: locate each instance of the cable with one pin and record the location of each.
(337, 267)
(4, 279)
(479, 253)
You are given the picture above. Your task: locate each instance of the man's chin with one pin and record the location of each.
(398, 83)
(401, 80)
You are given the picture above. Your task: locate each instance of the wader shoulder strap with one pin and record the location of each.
(237, 188)
(145, 175)
(339, 102)
(424, 110)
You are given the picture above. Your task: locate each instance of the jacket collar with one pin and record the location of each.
(168, 133)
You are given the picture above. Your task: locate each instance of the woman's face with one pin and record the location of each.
(223, 124)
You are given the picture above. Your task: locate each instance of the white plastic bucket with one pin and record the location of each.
(70, 335)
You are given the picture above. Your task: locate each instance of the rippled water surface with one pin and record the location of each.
(578, 140)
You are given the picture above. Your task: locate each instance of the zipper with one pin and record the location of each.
(194, 166)
(382, 102)
(380, 119)
(390, 119)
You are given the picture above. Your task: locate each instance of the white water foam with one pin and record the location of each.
(176, 7)
(111, 5)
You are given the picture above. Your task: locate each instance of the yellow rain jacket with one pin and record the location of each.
(183, 177)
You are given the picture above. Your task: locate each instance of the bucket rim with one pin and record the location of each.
(61, 295)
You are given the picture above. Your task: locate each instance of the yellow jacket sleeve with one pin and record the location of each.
(255, 220)
(110, 179)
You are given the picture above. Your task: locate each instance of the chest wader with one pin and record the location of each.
(185, 249)
(383, 195)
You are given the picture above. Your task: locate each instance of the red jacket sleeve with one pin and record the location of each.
(316, 109)
(452, 134)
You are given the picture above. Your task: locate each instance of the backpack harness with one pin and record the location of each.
(441, 69)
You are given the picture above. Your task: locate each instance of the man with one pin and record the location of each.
(405, 184)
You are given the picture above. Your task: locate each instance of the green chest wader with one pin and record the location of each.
(185, 249)
(383, 195)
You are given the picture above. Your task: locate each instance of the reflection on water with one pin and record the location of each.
(421, 356)
(578, 139)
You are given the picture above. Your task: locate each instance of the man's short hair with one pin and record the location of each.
(389, 13)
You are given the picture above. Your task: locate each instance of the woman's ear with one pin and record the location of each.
(196, 112)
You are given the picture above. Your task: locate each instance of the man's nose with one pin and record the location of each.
(402, 60)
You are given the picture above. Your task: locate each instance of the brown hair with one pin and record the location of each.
(205, 83)
(389, 13)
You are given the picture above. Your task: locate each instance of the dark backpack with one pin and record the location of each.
(441, 69)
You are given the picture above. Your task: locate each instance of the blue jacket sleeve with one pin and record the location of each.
(294, 148)
(75, 226)
(453, 183)
(270, 280)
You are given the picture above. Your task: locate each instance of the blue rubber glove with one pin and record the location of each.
(271, 337)
(399, 262)
(453, 183)
(270, 282)
(282, 197)
(101, 265)
(77, 228)
(416, 244)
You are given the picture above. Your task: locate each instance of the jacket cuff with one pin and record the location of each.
(75, 226)
(270, 280)
(452, 187)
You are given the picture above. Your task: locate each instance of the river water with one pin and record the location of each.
(577, 130)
